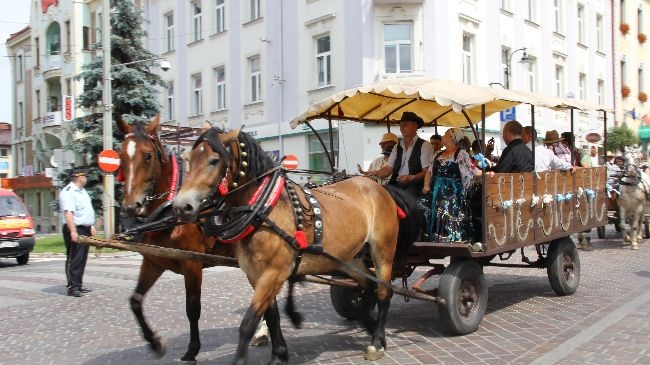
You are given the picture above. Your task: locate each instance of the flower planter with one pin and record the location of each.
(624, 28)
(625, 91)
(643, 97)
(641, 37)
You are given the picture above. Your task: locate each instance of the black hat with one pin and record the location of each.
(410, 116)
(78, 171)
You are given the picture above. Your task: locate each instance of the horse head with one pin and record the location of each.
(142, 159)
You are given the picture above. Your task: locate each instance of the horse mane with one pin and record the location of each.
(258, 160)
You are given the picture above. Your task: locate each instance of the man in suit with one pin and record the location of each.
(516, 157)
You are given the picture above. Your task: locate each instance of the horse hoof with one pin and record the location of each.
(373, 354)
(159, 347)
(635, 246)
(188, 362)
(260, 341)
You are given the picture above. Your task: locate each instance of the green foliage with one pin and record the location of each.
(619, 137)
(134, 92)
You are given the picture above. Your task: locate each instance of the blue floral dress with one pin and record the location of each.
(450, 217)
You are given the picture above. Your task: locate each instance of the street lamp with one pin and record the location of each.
(107, 135)
(524, 59)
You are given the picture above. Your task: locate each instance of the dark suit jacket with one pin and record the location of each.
(516, 157)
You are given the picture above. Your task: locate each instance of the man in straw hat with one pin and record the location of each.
(545, 159)
(408, 162)
(553, 141)
(387, 143)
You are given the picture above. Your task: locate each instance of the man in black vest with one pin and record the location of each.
(410, 159)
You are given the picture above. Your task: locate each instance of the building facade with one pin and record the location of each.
(47, 56)
(259, 63)
(6, 163)
(632, 19)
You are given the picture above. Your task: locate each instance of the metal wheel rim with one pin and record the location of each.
(468, 297)
(568, 266)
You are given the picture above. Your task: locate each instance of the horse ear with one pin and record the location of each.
(122, 124)
(206, 126)
(230, 136)
(152, 127)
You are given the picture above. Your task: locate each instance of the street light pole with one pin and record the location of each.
(524, 59)
(107, 137)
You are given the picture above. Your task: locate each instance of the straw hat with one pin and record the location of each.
(412, 117)
(610, 154)
(552, 137)
(388, 137)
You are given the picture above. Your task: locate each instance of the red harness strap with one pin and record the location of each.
(270, 203)
(174, 182)
(400, 213)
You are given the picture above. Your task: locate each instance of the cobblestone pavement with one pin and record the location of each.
(607, 321)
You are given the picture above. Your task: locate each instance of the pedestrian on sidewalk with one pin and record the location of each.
(78, 219)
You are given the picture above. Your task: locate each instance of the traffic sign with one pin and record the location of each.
(109, 161)
(290, 162)
(508, 114)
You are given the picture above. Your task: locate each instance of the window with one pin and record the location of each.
(640, 78)
(38, 103)
(532, 10)
(220, 87)
(20, 115)
(623, 67)
(170, 100)
(68, 38)
(3, 152)
(255, 79)
(599, 32)
(506, 5)
(220, 16)
(38, 52)
(318, 159)
(197, 95)
(468, 59)
(531, 74)
(68, 86)
(557, 16)
(582, 86)
(21, 161)
(39, 206)
(559, 80)
(601, 92)
(255, 9)
(622, 9)
(20, 63)
(169, 32)
(323, 61)
(505, 51)
(98, 29)
(397, 48)
(581, 25)
(196, 21)
(86, 38)
(639, 17)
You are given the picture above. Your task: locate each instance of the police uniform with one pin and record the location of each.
(76, 200)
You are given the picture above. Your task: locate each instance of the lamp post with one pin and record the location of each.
(107, 133)
(524, 59)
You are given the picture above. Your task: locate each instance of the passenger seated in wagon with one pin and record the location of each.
(448, 178)
(516, 157)
(545, 159)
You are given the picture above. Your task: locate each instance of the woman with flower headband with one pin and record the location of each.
(448, 178)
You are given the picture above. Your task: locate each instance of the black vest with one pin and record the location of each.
(415, 165)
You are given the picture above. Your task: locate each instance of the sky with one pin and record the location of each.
(12, 19)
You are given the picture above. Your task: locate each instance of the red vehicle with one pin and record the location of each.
(16, 227)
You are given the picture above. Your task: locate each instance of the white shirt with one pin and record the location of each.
(426, 156)
(76, 200)
(546, 160)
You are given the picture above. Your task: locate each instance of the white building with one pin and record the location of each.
(259, 63)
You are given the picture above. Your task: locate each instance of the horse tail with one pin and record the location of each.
(410, 227)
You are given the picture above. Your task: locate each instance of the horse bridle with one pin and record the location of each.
(153, 180)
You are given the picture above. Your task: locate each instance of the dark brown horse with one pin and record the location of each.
(354, 212)
(150, 177)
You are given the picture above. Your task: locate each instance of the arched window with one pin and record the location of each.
(53, 39)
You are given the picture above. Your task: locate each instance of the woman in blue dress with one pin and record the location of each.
(449, 177)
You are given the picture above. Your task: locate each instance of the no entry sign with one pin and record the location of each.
(109, 161)
(290, 162)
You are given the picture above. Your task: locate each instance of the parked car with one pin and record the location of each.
(16, 227)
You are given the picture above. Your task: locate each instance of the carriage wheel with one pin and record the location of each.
(563, 266)
(646, 229)
(464, 289)
(601, 231)
(353, 303)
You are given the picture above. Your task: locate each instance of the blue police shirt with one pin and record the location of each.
(76, 200)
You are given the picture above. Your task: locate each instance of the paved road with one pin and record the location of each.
(606, 322)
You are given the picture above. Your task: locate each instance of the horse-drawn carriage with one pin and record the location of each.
(349, 227)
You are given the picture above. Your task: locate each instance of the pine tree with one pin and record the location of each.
(134, 91)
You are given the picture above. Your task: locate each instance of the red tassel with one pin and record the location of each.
(400, 213)
(120, 176)
(301, 238)
(223, 186)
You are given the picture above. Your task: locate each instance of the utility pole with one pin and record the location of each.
(109, 183)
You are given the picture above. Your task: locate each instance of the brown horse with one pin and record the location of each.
(149, 174)
(354, 212)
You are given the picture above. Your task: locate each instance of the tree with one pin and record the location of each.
(619, 137)
(134, 91)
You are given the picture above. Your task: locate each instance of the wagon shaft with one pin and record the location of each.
(170, 253)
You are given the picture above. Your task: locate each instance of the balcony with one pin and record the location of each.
(52, 119)
(52, 66)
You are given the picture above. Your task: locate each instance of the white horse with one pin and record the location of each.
(633, 199)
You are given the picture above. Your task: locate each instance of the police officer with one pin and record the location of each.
(78, 219)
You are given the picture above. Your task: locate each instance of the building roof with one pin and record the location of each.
(5, 133)
(17, 34)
